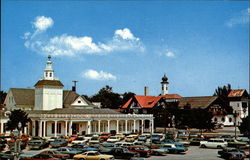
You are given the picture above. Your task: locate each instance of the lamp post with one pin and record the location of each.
(17, 135)
(235, 122)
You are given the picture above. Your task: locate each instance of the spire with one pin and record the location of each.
(49, 72)
(164, 85)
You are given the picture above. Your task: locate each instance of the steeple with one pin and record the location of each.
(49, 72)
(164, 85)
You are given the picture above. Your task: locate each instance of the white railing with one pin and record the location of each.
(95, 116)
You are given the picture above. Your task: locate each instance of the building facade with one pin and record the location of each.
(54, 111)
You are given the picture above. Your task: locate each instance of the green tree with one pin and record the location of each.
(127, 96)
(223, 92)
(108, 98)
(245, 126)
(15, 117)
(2, 96)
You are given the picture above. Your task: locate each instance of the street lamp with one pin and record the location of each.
(235, 122)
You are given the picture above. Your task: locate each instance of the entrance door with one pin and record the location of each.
(75, 128)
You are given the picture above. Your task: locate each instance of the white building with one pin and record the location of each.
(55, 111)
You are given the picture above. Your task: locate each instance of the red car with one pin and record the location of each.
(39, 157)
(142, 150)
(104, 136)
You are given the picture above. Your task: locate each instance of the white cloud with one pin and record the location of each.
(43, 23)
(241, 18)
(170, 54)
(68, 45)
(95, 75)
(125, 34)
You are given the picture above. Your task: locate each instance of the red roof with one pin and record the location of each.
(236, 93)
(144, 101)
(172, 96)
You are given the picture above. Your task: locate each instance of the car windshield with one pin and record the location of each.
(79, 138)
(94, 138)
(112, 137)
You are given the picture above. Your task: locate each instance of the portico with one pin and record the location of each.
(81, 121)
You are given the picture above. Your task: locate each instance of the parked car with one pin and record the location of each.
(3, 143)
(134, 135)
(157, 137)
(243, 139)
(87, 137)
(113, 139)
(106, 147)
(124, 144)
(38, 143)
(60, 142)
(105, 136)
(51, 139)
(158, 152)
(142, 138)
(56, 154)
(93, 155)
(235, 143)
(232, 153)
(79, 140)
(72, 137)
(184, 141)
(122, 153)
(95, 140)
(142, 150)
(7, 155)
(39, 157)
(129, 139)
(83, 148)
(213, 143)
(67, 150)
(196, 141)
(121, 136)
(172, 148)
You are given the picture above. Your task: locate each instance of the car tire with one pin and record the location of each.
(203, 146)
(219, 147)
(81, 159)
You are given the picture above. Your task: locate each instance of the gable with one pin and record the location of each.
(79, 102)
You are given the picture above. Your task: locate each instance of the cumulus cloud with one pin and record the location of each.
(170, 54)
(95, 75)
(241, 18)
(68, 45)
(42, 23)
(125, 34)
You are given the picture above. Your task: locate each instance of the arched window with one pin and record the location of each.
(50, 74)
(215, 119)
(223, 119)
(230, 119)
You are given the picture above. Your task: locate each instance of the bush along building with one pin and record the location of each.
(54, 111)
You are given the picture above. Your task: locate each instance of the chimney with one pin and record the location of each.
(74, 86)
(146, 91)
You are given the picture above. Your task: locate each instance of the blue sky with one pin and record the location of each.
(199, 45)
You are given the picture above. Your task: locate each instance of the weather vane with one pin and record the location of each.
(49, 57)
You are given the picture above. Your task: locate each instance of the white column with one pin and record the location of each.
(152, 126)
(66, 128)
(117, 126)
(134, 125)
(55, 129)
(44, 128)
(99, 126)
(126, 126)
(24, 130)
(142, 126)
(40, 128)
(89, 127)
(108, 126)
(1, 129)
(70, 128)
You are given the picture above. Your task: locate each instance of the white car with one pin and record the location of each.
(113, 139)
(213, 143)
(124, 144)
(79, 140)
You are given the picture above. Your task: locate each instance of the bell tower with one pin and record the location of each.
(164, 85)
(49, 72)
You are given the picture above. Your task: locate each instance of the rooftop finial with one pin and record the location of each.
(49, 57)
